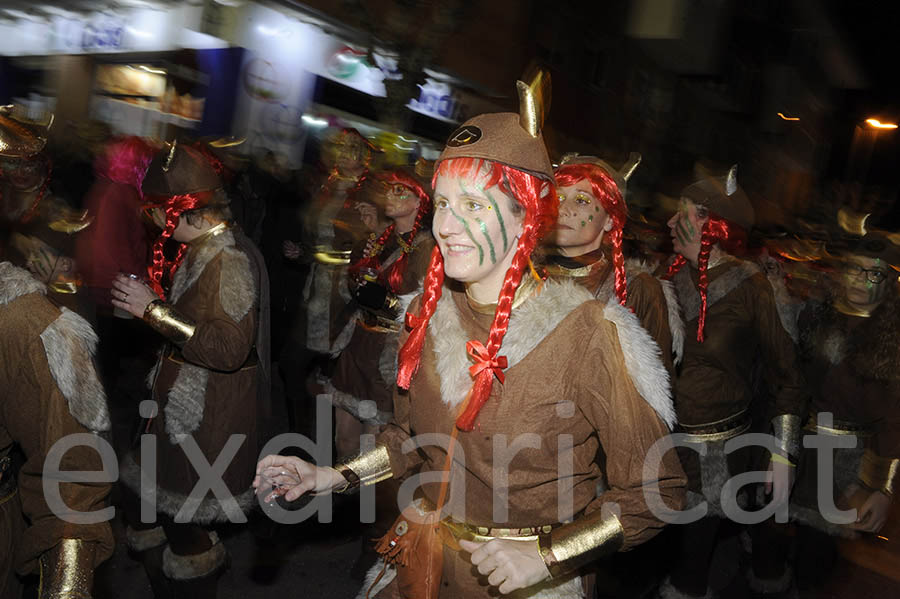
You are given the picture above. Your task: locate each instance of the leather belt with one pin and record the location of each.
(720, 430)
(252, 361)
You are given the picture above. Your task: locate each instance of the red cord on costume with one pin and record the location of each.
(538, 198)
(606, 191)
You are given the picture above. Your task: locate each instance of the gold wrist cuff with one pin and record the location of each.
(585, 540)
(174, 326)
(787, 429)
(879, 473)
(369, 468)
(67, 571)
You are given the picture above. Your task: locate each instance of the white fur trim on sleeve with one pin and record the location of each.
(641, 353)
(70, 344)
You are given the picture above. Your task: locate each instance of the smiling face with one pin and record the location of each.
(476, 228)
(686, 227)
(582, 220)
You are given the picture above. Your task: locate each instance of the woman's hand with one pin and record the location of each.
(292, 477)
(131, 295)
(874, 513)
(368, 214)
(779, 481)
(509, 565)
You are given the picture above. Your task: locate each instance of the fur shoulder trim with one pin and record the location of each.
(676, 322)
(70, 344)
(16, 282)
(642, 359)
(195, 262)
(529, 324)
(689, 297)
(237, 285)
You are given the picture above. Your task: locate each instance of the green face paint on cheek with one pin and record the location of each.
(591, 218)
(496, 210)
(465, 225)
(684, 231)
(484, 232)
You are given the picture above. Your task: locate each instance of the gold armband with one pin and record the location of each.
(573, 545)
(878, 473)
(365, 469)
(787, 429)
(167, 321)
(67, 571)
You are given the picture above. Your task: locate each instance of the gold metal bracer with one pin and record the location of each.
(580, 542)
(879, 473)
(67, 571)
(167, 321)
(367, 469)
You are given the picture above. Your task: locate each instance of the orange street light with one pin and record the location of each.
(789, 118)
(879, 125)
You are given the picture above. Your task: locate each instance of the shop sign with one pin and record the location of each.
(438, 100)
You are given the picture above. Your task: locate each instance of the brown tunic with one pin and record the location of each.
(208, 388)
(586, 397)
(35, 414)
(743, 325)
(363, 369)
(645, 297)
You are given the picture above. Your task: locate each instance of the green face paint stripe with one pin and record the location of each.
(493, 202)
(484, 232)
(682, 233)
(465, 225)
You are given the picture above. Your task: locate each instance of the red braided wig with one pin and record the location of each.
(173, 206)
(604, 188)
(716, 229)
(393, 277)
(538, 198)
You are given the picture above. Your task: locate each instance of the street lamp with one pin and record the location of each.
(876, 124)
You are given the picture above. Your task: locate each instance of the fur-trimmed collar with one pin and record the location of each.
(689, 297)
(237, 283)
(196, 259)
(529, 324)
(871, 347)
(16, 282)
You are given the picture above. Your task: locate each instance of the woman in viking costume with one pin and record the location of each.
(387, 266)
(588, 247)
(849, 352)
(42, 225)
(484, 316)
(50, 391)
(731, 306)
(211, 306)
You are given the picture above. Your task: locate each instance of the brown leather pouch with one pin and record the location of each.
(414, 547)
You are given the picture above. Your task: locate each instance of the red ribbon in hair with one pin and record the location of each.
(484, 360)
